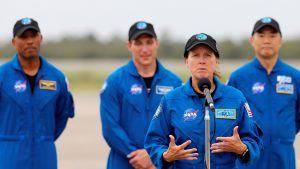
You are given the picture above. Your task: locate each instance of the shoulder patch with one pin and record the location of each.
(104, 85)
(158, 111)
(249, 112)
(68, 84)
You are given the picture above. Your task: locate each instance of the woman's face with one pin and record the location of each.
(201, 62)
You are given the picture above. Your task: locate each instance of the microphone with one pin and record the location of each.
(204, 86)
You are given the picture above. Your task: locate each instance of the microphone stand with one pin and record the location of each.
(207, 137)
(204, 86)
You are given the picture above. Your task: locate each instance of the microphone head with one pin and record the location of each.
(204, 83)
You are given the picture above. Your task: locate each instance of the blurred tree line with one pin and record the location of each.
(88, 46)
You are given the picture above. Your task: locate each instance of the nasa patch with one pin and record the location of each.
(20, 86)
(136, 89)
(190, 114)
(258, 87)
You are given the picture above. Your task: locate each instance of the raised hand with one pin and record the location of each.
(178, 152)
(229, 144)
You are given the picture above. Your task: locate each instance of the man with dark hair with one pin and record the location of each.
(272, 90)
(130, 96)
(35, 103)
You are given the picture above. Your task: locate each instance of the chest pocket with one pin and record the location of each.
(45, 97)
(224, 127)
(285, 101)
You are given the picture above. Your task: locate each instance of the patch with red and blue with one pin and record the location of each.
(190, 114)
(249, 112)
(258, 87)
(136, 89)
(20, 86)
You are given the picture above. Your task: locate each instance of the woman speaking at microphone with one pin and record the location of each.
(176, 135)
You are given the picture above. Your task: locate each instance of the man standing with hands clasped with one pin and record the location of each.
(129, 98)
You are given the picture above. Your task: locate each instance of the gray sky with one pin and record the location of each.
(232, 19)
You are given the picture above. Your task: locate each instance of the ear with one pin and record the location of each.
(129, 44)
(251, 39)
(13, 42)
(186, 61)
(157, 42)
(280, 42)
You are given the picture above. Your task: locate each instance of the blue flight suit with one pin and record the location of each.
(275, 103)
(181, 113)
(31, 122)
(127, 109)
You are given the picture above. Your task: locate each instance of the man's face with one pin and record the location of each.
(28, 44)
(144, 50)
(266, 42)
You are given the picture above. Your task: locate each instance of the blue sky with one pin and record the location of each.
(232, 19)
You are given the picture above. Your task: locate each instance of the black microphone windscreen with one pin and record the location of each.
(204, 83)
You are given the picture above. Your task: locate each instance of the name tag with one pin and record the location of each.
(226, 114)
(47, 85)
(284, 88)
(162, 90)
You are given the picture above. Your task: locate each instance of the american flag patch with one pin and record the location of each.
(247, 107)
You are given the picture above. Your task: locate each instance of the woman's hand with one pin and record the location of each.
(178, 152)
(230, 144)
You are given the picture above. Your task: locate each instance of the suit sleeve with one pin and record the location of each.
(110, 113)
(298, 105)
(250, 134)
(64, 110)
(157, 138)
